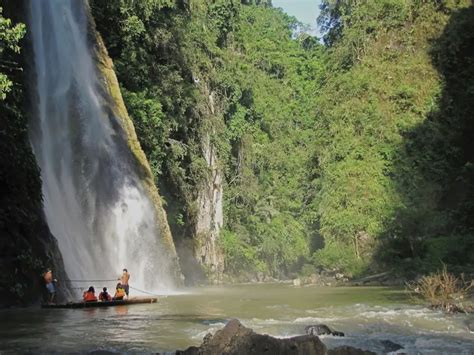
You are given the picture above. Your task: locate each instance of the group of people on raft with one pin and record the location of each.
(121, 290)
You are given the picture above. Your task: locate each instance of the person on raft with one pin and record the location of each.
(50, 286)
(89, 295)
(119, 293)
(104, 295)
(124, 280)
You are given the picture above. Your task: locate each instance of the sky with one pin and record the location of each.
(306, 11)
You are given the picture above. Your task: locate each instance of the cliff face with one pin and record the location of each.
(209, 214)
(27, 247)
(170, 102)
(199, 248)
(112, 91)
(210, 219)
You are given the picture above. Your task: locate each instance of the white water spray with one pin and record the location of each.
(94, 200)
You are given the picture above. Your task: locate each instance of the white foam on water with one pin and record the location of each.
(213, 328)
(390, 313)
(265, 321)
(316, 320)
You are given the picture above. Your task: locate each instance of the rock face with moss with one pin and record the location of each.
(112, 90)
(210, 218)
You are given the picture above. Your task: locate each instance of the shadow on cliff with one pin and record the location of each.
(435, 171)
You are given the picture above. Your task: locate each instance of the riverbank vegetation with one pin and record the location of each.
(355, 155)
(445, 291)
(394, 181)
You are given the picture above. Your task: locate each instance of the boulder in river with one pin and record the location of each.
(236, 339)
(321, 329)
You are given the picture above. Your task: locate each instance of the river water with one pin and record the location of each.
(367, 316)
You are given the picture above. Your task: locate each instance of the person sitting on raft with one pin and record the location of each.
(104, 295)
(89, 295)
(119, 292)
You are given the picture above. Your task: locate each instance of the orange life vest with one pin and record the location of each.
(89, 296)
(119, 293)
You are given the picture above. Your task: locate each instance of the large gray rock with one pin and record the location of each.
(235, 339)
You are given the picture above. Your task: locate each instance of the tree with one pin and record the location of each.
(10, 37)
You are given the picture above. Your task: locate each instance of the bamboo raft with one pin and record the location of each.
(138, 300)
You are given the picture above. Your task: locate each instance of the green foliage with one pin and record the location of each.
(447, 250)
(307, 270)
(283, 242)
(145, 40)
(339, 256)
(261, 88)
(391, 153)
(269, 126)
(148, 119)
(365, 144)
(10, 35)
(239, 254)
(223, 15)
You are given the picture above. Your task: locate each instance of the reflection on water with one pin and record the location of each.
(121, 310)
(366, 315)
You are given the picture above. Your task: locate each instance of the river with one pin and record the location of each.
(367, 315)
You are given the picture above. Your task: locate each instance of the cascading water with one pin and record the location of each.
(94, 200)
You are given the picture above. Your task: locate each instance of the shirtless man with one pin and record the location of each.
(50, 286)
(124, 280)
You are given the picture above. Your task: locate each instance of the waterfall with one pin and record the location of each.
(94, 199)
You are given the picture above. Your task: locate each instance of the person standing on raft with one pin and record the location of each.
(124, 280)
(50, 286)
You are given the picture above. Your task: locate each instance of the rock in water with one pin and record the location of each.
(322, 329)
(348, 350)
(235, 339)
(390, 346)
(470, 324)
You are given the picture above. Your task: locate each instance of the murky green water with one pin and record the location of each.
(366, 315)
